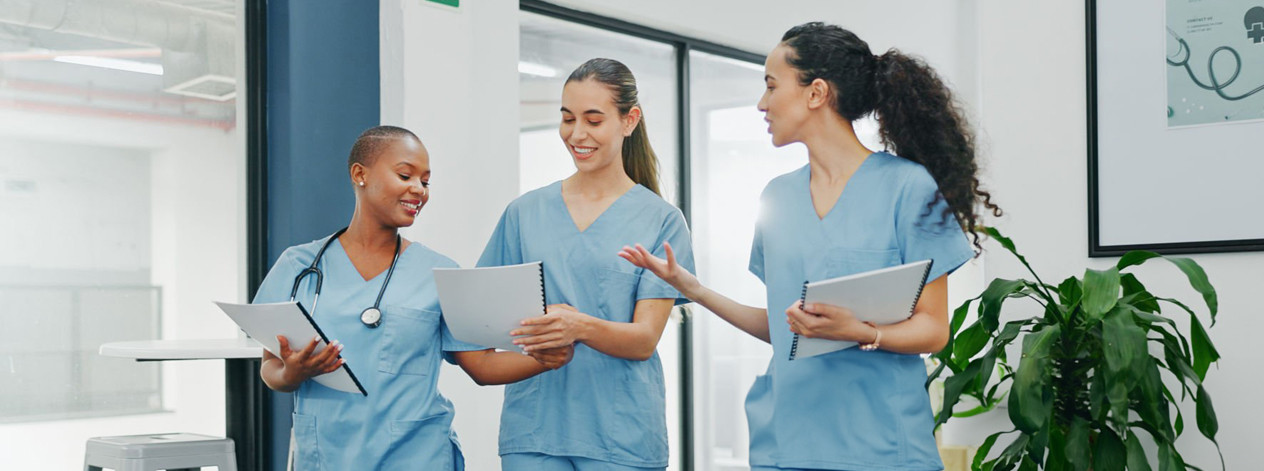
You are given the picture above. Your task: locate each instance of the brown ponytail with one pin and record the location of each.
(639, 160)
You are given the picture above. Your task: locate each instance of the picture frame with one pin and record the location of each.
(1191, 181)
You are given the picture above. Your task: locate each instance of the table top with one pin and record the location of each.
(184, 349)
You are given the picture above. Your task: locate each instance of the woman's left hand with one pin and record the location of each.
(554, 358)
(827, 322)
(560, 327)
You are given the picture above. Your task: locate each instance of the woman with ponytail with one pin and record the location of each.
(606, 409)
(850, 210)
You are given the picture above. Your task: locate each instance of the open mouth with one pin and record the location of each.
(412, 207)
(582, 152)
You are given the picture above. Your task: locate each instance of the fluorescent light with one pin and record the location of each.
(532, 68)
(116, 64)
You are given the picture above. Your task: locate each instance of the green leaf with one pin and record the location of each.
(1149, 400)
(953, 386)
(1109, 452)
(985, 448)
(1206, 415)
(1143, 299)
(1070, 291)
(969, 343)
(1101, 292)
(1198, 280)
(1168, 462)
(1193, 272)
(1204, 352)
(1122, 342)
(1009, 245)
(1077, 445)
(1031, 399)
(1135, 257)
(993, 297)
(1136, 454)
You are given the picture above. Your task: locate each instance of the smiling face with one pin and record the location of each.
(785, 101)
(592, 127)
(395, 181)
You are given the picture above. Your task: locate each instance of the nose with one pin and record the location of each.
(763, 103)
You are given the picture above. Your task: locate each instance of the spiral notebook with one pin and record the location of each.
(482, 305)
(264, 322)
(882, 296)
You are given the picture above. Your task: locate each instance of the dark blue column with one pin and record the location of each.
(322, 91)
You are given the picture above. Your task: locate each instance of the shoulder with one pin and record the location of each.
(912, 176)
(786, 182)
(302, 254)
(429, 257)
(535, 198)
(660, 208)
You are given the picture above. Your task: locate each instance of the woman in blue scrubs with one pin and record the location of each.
(850, 210)
(403, 422)
(605, 410)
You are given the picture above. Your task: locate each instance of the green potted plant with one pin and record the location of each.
(1089, 380)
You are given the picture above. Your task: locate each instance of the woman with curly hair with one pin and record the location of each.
(850, 210)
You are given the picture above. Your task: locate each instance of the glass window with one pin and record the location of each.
(122, 182)
(549, 50)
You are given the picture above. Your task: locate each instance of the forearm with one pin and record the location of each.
(921, 333)
(272, 371)
(628, 340)
(488, 367)
(749, 319)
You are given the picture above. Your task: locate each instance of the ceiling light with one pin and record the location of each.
(539, 70)
(116, 64)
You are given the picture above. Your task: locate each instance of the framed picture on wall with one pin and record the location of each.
(1175, 125)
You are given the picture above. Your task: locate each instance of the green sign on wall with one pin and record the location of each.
(451, 3)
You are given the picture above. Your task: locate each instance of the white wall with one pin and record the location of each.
(1032, 106)
(452, 78)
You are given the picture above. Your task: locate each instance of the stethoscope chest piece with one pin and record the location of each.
(371, 317)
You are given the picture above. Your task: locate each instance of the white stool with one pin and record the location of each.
(159, 451)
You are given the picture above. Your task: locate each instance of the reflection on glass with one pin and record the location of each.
(121, 176)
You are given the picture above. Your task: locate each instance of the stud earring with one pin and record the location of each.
(361, 183)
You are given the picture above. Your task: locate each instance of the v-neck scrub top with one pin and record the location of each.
(403, 423)
(597, 406)
(849, 409)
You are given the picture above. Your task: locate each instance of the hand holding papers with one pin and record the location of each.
(883, 296)
(264, 322)
(482, 305)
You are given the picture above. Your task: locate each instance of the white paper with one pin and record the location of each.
(264, 322)
(883, 296)
(482, 305)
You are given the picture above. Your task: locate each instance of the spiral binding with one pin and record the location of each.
(544, 299)
(921, 286)
(803, 299)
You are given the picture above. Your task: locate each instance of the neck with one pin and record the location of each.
(609, 181)
(370, 235)
(834, 151)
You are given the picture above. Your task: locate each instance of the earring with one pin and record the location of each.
(361, 183)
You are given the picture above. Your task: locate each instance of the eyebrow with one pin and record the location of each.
(592, 111)
(768, 77)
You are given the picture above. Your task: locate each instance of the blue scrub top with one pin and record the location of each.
(597, 406)
(403, 423)
(848, 409)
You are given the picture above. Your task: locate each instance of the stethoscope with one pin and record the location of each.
(1215, 86)
(370, 317)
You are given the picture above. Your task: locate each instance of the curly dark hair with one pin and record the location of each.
(919, 118)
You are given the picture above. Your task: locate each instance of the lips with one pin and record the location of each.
(582, 152)
(412, 206)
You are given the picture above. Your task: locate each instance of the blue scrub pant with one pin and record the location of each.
(542, 462)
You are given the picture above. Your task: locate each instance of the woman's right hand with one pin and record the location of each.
(303, 364)
(668, 270)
